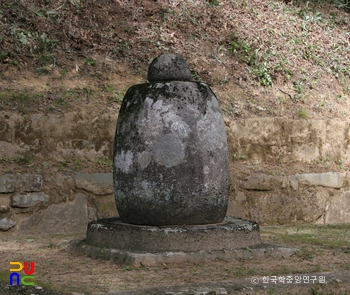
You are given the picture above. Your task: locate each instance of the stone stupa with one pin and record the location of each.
(171, 176)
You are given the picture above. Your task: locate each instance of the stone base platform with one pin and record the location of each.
(111, 239)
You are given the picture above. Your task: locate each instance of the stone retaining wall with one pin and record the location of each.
(281, 140)
(30, 204)
(62, 204)
(85, 136)
(57, 137)
(301, 198)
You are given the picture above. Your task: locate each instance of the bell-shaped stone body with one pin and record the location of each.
(170, 155)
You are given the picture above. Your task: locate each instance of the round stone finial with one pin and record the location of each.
(169, 67)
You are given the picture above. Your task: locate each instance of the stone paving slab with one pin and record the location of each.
(148, 259)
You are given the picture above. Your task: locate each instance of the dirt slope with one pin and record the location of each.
(262, 58)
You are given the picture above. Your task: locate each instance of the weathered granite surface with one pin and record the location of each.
(170, 154)
(169, 67)
(29, 199)
(6, 224)
(68, 217)
(10, 183)
(170, 157)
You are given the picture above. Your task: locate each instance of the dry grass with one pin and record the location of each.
(321, 249)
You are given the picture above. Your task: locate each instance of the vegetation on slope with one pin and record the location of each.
(263, 58)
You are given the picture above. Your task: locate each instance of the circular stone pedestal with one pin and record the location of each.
(111, 239)
(232, 233)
